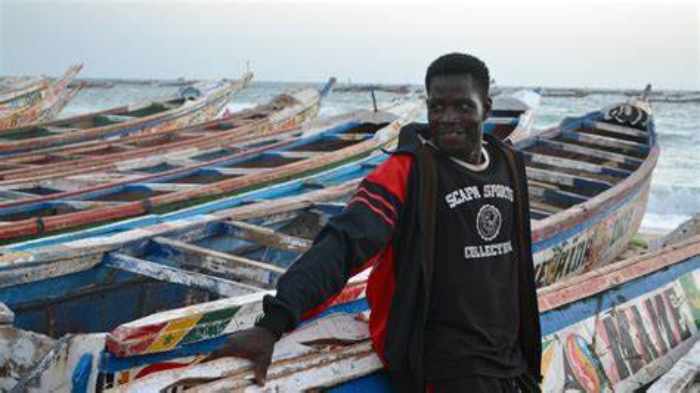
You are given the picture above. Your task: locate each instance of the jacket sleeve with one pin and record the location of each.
(343, 248)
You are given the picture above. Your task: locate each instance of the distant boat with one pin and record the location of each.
(37, 100)
(193, 105)
(678, 98)
(220, 172)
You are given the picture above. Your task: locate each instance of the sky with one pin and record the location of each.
(609, 44)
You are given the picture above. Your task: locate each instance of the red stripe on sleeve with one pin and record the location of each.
(392, 174)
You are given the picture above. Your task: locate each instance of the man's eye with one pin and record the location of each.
(466, 106)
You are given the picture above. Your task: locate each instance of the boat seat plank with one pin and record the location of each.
(628, 131)
(626, 147)
(239, 171)
(231, 260)
(268, 237)
(168, 187)
(61, 130)
(118, 118)
(297, 154)
(575, 182)
(576, 165)
(544, 208)
(556, 197)
(162, 272)
(587, 151)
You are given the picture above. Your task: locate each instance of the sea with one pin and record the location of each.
(675, 188)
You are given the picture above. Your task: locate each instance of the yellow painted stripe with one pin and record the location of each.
(173, 334)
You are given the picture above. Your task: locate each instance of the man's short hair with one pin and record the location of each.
(459, 64)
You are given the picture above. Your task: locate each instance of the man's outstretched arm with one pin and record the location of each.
(345, 246)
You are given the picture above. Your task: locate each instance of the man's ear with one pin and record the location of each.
(488, 103)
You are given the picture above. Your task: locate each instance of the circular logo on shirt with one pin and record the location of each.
(488, 222)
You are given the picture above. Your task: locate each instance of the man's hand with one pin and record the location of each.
(255, 344)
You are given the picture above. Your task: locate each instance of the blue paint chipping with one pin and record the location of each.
(81, 374)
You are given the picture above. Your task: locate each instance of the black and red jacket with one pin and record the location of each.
(388, 226)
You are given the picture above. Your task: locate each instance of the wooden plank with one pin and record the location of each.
(60, 130)
(629, 131)
(298, 154)
(558, 196)
(161, 272)
(567, 180)
(239, 171)
(344, 330)
(168, 187)
(575, 164)
(683, 374)
(605, 155)
(604, 141)
(327, 368)
(544, 208)
(228, 315)
(222, 263)
(268, 237)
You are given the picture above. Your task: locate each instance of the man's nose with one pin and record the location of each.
(450, 114)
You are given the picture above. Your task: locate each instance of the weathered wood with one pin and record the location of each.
(177, 276)
(337, 329)
(575, 164)
(217, 262)
(604, 141)
(613, 157)
(240, 171)
(567, 180)
(269, 237)
(297, 154)
(629, 131)
(683, 374)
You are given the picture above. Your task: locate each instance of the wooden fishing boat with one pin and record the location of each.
(190, 106)
(615, 328)
(345, 139)
(12, 88)
(282, 113)
(36, 101)
(589, 181)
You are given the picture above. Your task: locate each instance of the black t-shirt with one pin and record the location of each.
(472, 324)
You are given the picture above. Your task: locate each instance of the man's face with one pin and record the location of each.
(456, 110)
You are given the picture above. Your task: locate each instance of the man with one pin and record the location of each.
(444, 223)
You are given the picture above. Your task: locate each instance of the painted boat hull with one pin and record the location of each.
(34, 105)
(195, 111)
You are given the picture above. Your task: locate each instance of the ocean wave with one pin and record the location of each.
(668, 199)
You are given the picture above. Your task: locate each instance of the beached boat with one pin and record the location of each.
(36, 100)
(223, 172)
(589, 181)
(615, 328)
(192, 105)
(12, 88)
(282, 113)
